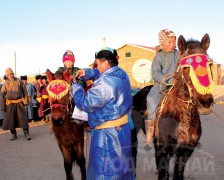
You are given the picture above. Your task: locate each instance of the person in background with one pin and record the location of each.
(164, 63)
(108, 104)
(1, 113)
(31, 93)
(68, 60)
(37, 86)
(13, 98)
(4, 77)
(44, 109)
(37, 97)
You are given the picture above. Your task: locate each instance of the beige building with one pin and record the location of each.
(136, 60)
(217, 74)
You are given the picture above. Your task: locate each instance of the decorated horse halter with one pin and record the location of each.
(57, 89)
(200, 72)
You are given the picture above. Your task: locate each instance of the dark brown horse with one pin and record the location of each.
(178, 127)
(69, 135)
(138, 116)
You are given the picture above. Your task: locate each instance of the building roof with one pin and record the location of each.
(140, 46)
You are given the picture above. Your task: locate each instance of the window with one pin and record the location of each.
(128, 54)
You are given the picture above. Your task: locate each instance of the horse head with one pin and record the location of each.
(194, 72)
(60, 100)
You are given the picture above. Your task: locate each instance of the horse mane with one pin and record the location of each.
(180, 89)
(58, 75)
(192, 40)
(192, 44)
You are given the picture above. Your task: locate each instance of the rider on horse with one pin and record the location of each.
(163, 64)
(68, 61)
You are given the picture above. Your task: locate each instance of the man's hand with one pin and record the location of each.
(80, 73)
(74, 79)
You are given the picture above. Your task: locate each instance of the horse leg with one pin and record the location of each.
(182, 155)
(134, 143)
(81, 160)
(68, 169)
(137, 121)
(162, 162)
(68, 161)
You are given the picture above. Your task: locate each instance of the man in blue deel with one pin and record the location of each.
(108, 104)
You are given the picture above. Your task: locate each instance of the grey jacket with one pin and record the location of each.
(162, 64)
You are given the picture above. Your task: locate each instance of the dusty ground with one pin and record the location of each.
(40, 158)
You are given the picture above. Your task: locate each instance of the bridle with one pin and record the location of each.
(190, 88)
(198, 64)
(198, 67)
(57, 89)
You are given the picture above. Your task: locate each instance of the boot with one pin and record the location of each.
(46, 119)
(26, 134)
(149, 128)
(14, 135)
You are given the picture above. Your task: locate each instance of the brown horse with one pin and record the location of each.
(178, 127)
(69, 135)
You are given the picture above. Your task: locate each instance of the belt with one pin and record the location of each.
(8, 101)
(44, 96)
(113, 123)
(38, 99)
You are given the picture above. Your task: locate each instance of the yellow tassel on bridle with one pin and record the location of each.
(200, 72)
(197, 85)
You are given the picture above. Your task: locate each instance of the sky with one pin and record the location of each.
(40, 31)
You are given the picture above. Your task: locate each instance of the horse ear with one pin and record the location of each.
(181, 43)
(67, 75)
(49, 75)
(205, 42)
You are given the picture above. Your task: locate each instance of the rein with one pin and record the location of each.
(218, 116)
(63, 105)
(190, 93)
(58, 105)
(60, 121)
(173, 87)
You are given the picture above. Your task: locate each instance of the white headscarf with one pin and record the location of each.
(164, 35)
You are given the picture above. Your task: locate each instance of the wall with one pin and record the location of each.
(217, 74)
(127, 63)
